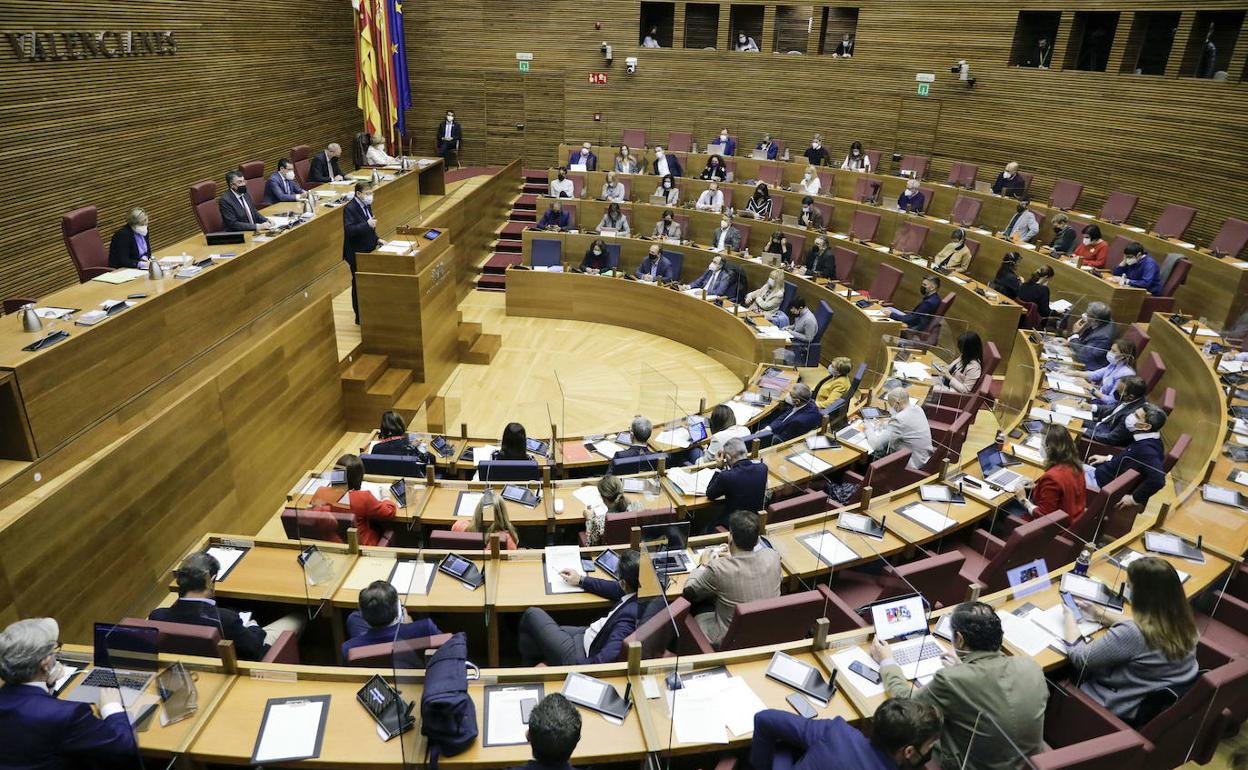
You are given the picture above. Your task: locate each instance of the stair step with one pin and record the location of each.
(509, 246)
(527, 217)
(468, 332)
(364, 371)
(391, 383)
(535, 188)
(412, 399)
(498, 263)
(483, 350)
(513, 229)
(491, 282)
(525, 202)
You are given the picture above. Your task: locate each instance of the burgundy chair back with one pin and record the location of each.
(634, 137)
(744, 228)
(1023, 175)
(915, 163)
(972, 246)
(204, 204)
(300, 157)
(1176, 453)
(771, 621)
(1177, 277)
(825, 210)
(1101, 503)
(771, 174)
(1174, 221)
(405, 653)
(683, 221)
(83, 242)
(452, 540)
(1231, 239)
(936, 577)
(1079, 733)
(845, 260)
(727, 191)
(929, 195)
(841, 616)
(1116, 249)
(866, 189)
(1168, 398)
(1118, 207)
(181, 638)
(909, 237)
(1150, 368)
(1192, 727)
(1136, 335)
(1065, 194)
(992, 359)
(873, 157)
(656, 632)
(1029, 540)
(806, 504)
(679, 141)
(798, 243)
(864, 225)
(827, 185)
(930, 334)
(578, 183)
(885, 474)
(311, 524)
(253, 175)
(947, 442)
(885, 284)
(965, 210)
(14, 304)
(619, 526)
(955, 174)
(626, 181)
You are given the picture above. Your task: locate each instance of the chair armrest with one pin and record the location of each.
(986, 543)
(692, 640)
(854, 477)
(284, 650)
(1232, 612)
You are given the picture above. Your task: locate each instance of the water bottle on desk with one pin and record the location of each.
(1081, 563)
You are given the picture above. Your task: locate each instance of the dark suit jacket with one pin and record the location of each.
(248, 640)
(361, 634)
(633, 450)
(277, 189)
(549, 217)
(664, 270)
(1064, 241)
(811, 219)
(608, 645)
(822, 263)
(234, 213)
(401, 446)
(921, 316)
(1111, 427)
(673, 165)
(357, 235)
(1144, 455)
(796, 421)
(123, 251)
(845, 49)
(725, 283)
(41, 732)
(321, 171)
(1012, 187)
(591, 163)
(457, 135)
(742, 486)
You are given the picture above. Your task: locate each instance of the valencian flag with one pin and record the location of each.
(383, 92)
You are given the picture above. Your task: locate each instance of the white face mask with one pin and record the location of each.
(55, 673)
(723, 225)
(584, 150)
(809, 175)
(1132, 422)
(1087, 241)
(288, 175)
(597, 252)
(723, 135)
(771, 282)
(658, 153)
(368, 199)
(909, 192)
(1112, 357)
(805, 209)
(450, 118)
(855, 153)
(667, 183)
(1008, 174)
(140, 229)
(816, 145)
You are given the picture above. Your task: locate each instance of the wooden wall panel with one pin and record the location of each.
(1168, 139)
(247, 83)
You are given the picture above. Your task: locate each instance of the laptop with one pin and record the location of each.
(758, 154)
(715, 148)
(906, 618)
(992, 464)
(790, 220)
(125, 659)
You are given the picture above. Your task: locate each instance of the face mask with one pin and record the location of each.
(808, 175)
(1132, 422)
(658, 153)
(1008, 174)
(855, 153)
(584, 150)
(368, 199)
(1112, 357)
(723, 225)
(816, 145)
(140, 229)
(241, 188)
(597, 252)
(450, 118)
(771, 282)
(667, 184)
(910, 193)
(924, 759)
(741, 39)
(1087, 241)
(288, 175)
(667, 220)
(561, 177)
(723, 135)
(805, 209)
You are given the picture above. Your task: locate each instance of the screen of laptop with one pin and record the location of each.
(990, 460)
(125, 647)
(898, 618)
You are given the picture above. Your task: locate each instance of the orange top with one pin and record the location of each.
(1094, 255)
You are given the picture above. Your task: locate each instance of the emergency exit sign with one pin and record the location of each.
(524, 66)
(924, 88)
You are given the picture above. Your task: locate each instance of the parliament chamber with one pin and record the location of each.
(810, 386)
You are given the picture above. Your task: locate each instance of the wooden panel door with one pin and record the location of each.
(916, 125)
(543, 119)
(504, 110)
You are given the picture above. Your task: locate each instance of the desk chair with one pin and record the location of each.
(827, 184)
(1118, 207)
(450, 540)
(929, 195)
(1138, 336)
(509, 470)
(619, 526)
(657, 631)
(798, 243)
(1180, 267)
(873, 157)
(909, 237)
(930, 334)
(989, 557)
(1176, 452)
(1231, 238)
(1117, 247)
(864, 226)
(83, 242)
(625, 466)
(914, 163)
(882, 475)
(965, 211)
(253, 175)
(1174, 221)
(810, 353)
(771, 621)
(311, 524)
(402, 466)
(798, 506)
(613, 256)
(972, 246)
(867, 190)
(406, 653)
(786, 299)
(1101, 505)
(677, 260)
(359, 149)
(838, 411)
(1023, 175)
(204, 204)
(962, 174)
(885, 284)
(1079, 736)
(935, 576)
(578, 183)
(970, 402)
(1065, 194)
(300, 157)
(845, 259)
(1150, 368)
(633, 137)
(1225, 627)
(771, 175)
(202, 641)
(546, 252)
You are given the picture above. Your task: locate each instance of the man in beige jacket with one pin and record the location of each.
(733, 576)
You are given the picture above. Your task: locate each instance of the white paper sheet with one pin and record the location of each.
(311, 485)
(290, 731)
(830, 547)
(772, 333)
(412, 577)
(504, 726)
(1073, 411)
(590, 497)
(366, 570)
(561, 557)
(1028, 637)
(396, 247)
(695, 715)
(842, 659)
(676, 437)
(482, 454)
(466, 508)
(739, 703)
(810, 463)
(1037, 413)
(1028, 453)
(693, 484)
(607, 448)
(742, 411)
(1061, 305)
(226, 557)
(1052, 623)
(913, 370)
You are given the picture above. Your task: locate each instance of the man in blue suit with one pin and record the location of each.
(382, 619)
(903, 733)
(585, 156)
(655, 267)
(281, 186)
(922, 314)
(802, 417)
(740, 482)
(1145, 454)
(1110, 426)
(37, 730)
(770, 145)
(718, 280)
(544, 640)
(554, 218)
(665, 164)
(730, 144)
(359, 233)
(238, 212)
(639, 434)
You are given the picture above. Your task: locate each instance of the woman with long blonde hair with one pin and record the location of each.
(500, 523)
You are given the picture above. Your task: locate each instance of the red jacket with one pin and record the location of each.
(365, 508)
(1094, 255)
(1061, 488)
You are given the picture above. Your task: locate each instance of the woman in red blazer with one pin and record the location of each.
(1061, 487)
(363, 506)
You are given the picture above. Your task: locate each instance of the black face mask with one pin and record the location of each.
(923, 759)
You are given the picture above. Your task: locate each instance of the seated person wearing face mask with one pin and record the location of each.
(856, 160)
(800, 418)
(238, 211)
(1063, 235)
(655, 267)
(381, 618)
(778, 249)
(130, 246)
(801, 334)
(1092, 251)
(1138, 269)
(1008, 182)
(836, 384)
(667, 191)
(1092, 336)
(810, 218)
(821, 262)
(715, 169)
(727, 237)
(810, 184)
(727, 142)
(665, 164)
(561, 186)
(922, 314)
(595, 259)
(667, 227)
(816, 154)
(613, 219)
(718, 281)
(905, 428)
(767, 297)
(770, 146)
(1023, 227)
(911, 198)
(1145, 454)
(1111, 419)
(954, 256)
(1061, 487)
(746, 43)
(711, 199)
(554, 218)
(585, 157)
(281, 186)
(377, 155)
(613, 189)
(904, 733)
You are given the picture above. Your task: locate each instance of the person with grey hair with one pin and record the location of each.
(802, 416)
(130, 246)
(238, 211)
(1092, 336)
(905, 428)
(1146, 455)
(41, 731)
(740, 482)
(639, 434)
(324, 167)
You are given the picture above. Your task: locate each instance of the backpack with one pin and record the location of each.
(447, 715)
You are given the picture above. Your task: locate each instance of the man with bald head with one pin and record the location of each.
(905, 428)
(802, 416)
(325, 166)
(1009, 183)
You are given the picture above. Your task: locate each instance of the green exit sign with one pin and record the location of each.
(923, 87)
(524, 66)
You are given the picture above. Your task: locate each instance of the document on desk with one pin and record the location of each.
(368, 569)
(124, 275)
(1065, 385)
(695, 716)
(1061, 305)
(809, 462)
(773, 333)
(1029, 453)
(412, 577)
(926, 517)
(557, 559)
(1024, 635)
(742, 411)
(692, 484)
(481, 454)
(396, 247)
(1037, 413)
(678, 437)
(226, 557)
(912, 370)
(504, 725)
(829, 548)
(842, 658)
(1052, 622)
(292, 729)
(590, 497)
(1231, 367)
(55, 313)
(607, 448)
(466, 505)
(1073, 411)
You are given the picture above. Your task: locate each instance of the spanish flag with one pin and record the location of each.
(382, 92)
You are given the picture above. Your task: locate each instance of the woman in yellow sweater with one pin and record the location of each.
(837, 385)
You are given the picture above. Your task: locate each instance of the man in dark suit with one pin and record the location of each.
(585, 156)
(449, 137)
(639, 433)
(810, 218)
(544, 640)
(1145, 454)
(655, 267)
(922, 314)
(904, 732)
(281, 186)
(665, 164)
(821, 261)
(718, 280)
(324, 167)
(196, 577)
(740, 482)
(381, 618)
(1009, 183)
(37, 730)
(802, 416)
(845, 47)
(130, 246)
(359, 233)
(554, 218)
(238, 213)
(1110, 426)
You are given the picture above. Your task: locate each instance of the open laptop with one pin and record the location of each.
(790, 220)
(125, 659)
(906, 618)
(992, 467)
(758, 154)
